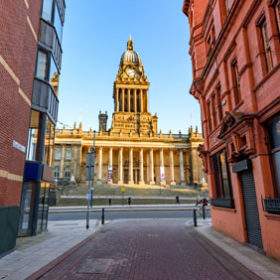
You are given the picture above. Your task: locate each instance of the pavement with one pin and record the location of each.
(33, 253)
(143, 249)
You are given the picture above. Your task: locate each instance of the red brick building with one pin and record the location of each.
(235, 52)
(30, 59)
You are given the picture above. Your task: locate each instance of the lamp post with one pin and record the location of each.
(90, 164)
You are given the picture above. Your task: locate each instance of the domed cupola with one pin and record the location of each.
(130, 56)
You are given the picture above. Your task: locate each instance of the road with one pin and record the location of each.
(150, 249)
(122, 215)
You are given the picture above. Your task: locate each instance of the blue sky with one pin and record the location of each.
(94, 38)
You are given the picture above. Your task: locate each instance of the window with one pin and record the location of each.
(54, 76)
(214, 110)
(42, 65)
(265, 44)
(219, 103)
(33, 146)
(51, 14)
(47, 10)
(274, 131)
(57, 23)
(235, 82)
(209, 115)
(222, 175)
(56, 172)
(277, 14)
(68, 154)
(67, 173)
(57, 153)
(49, 141)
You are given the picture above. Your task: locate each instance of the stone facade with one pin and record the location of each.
(235, 49)
(132, 151)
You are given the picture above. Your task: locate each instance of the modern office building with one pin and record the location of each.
(43, 117)
(30, 45)
(235, 53)
(132, 151)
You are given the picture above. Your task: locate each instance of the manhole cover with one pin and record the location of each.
(95, 266)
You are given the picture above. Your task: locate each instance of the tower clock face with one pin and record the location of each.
(131, 72)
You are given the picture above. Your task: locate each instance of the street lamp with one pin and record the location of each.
(90, 164)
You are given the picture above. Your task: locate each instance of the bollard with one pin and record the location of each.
(203, 212)
(177, 199)
(103, 216)
(194, 218)
(129, 200)
(110, 201)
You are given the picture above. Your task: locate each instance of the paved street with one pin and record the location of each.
(146, 250)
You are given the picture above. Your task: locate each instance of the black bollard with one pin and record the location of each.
(103, 216)
(177, 199)
(110, 201)
(129, 200)
(194, 218)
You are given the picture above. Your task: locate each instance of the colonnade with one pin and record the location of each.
(131, 100)
(150, 166)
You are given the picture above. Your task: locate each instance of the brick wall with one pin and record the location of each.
(19, 25)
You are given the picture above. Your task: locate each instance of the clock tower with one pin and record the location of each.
(131, 114)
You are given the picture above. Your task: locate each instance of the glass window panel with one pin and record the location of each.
(57, 23)
(224, 172)
(47, 10)
(67, 172)
(32, 152)
(68, 153)
(56, 172)
(276, 163)
(57, 153)
(49, 141)
(42, 65)
(275, 133)
(54, 76)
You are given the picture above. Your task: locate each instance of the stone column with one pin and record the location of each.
(182, 175)
(141, 101)
(122, 90)
(130, 171)
(141, 161)
(148, 167)
(110, 166)
(128, 100)
(135, 100)
(162, 170)
(100, 165)
(61, 171)
(117, 100)
(120, 182)
(171, 161)
(152, 182)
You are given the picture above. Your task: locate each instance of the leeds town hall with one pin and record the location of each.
(132, 151)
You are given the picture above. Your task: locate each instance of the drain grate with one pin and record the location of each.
(95, 266)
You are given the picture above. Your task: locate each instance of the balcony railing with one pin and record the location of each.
(272, 205)
(49, 39)
(223, 202)
(44, 99)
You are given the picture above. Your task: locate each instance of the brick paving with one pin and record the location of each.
(146, 250)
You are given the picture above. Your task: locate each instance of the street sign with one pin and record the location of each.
(123, 189)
